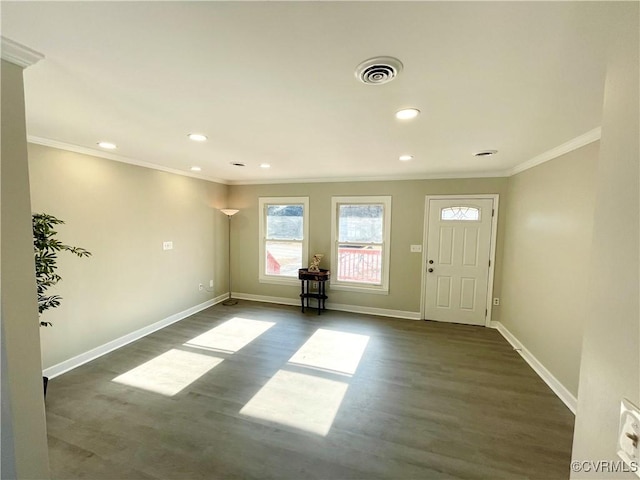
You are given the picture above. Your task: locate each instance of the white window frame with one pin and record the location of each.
(263, 202)
(383, 288)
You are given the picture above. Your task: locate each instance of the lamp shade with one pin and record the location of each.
(229, 211)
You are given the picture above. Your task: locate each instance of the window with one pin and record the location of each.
(284, 238)
(361, 232)
(471, 214)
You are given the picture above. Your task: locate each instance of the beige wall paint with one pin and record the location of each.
(610, 368)
(549, 222)
(122, 214)
(20, 339)
(408, 199)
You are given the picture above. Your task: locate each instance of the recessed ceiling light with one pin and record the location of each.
(197, 137)
(196, 169)
(238, 164)
(485, 153)
(107, 145)
(265, 165)
(405, 158)
(407, 113)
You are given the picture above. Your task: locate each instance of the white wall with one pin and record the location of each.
(122, 214)
(610, 368)
(547, 244)
(26, 434)
(407, 205)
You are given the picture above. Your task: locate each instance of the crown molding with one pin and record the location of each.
(580, 141)
(118, 158)
(18, 54)
(571, 145)
(389, 178)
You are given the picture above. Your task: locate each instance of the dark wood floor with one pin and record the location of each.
(427, 401)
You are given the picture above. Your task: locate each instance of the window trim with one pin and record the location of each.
(263, 277)
(335, 284)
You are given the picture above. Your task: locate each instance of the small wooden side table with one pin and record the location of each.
(305, 277)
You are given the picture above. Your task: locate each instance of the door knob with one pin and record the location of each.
(430, 270)
(431, 261)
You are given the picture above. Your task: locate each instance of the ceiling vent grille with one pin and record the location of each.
(378, 70)
(485, 153)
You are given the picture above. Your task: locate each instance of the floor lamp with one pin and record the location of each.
(229, 212)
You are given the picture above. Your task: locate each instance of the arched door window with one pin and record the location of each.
(470, 214)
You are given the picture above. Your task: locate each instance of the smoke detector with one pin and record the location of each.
(378, 70)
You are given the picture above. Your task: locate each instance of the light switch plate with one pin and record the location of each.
(416, 248)
(629, 435)
(167, 245)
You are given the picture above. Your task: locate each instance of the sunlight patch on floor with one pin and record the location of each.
(333, 351)
(297, 400)
(310, 400)
(230, 336)
(170, 372)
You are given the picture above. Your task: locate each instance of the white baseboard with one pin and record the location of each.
(265, 298)
(554, 384)
(384, 312)
(94, 353)
(560, 390)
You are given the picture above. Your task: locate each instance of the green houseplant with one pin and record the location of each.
(45, 251)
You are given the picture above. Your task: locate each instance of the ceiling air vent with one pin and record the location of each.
(378, 70)
(485, 153)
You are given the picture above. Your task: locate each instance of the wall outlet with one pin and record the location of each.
(496, 301)
(167, 245)
(201, 287)
(314, 285)
(210, 283)
(416, 248)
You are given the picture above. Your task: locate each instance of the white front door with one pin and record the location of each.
(458, 250)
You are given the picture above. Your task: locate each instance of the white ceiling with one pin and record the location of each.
(274, 82)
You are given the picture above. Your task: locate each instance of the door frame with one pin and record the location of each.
(492, 248)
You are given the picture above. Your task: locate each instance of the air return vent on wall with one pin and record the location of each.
(378, 70)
